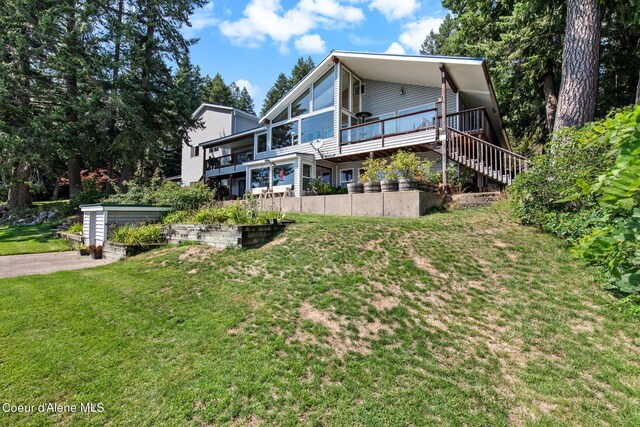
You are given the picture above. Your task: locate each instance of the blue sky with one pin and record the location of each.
(251, 42)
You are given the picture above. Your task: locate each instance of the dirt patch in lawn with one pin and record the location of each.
(198, 253)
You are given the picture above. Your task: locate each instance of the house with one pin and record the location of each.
(353, 106)
(216, 122)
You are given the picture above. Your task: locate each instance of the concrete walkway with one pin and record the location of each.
(24, 265)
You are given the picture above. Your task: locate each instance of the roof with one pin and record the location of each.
(123, 207)
(231, 137)
(205, 106)
(469, 74)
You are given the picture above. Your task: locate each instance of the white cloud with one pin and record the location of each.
(202, 18)
(414, 33)
(251, 88)
(395, 48)
(265, 19)
(395, 9)
(310, 43)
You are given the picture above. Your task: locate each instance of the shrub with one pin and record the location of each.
(373, 170)
(238, 213)
(89, 193)
(178, 217)
(76, 228)
(164, 193)
(406, 165)
(138, 235)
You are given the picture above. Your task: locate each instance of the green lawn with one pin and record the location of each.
(460, 318)
(30, 239)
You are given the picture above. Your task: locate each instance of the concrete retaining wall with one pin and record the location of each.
(223, 236)
(405, 204)
(112, 250)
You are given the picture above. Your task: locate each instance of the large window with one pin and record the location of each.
(259, 177)
(284, 135)
(345, 85)
(319, 126)
(301, 105)
(262, 143)
(283, 174)
(323, 92)
(346, 176)
(284, 115)
(323, 174)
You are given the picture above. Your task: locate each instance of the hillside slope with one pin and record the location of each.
(455, 318)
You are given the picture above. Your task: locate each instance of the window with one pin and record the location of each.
(301, 105)
(323, 174)
(323, 92)
(259, 177)
(345, 84)
(195, 151)
(306, 176)
(319, 126)
(346, 176)
(283, 174)
(284, 115)
(284, 135)
(356, 96)
(262, 143)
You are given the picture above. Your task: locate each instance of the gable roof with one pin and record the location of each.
(206, 106)
(469, 74)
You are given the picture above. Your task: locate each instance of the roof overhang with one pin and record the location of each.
(469, 74)
(206, 106)
(232, 138)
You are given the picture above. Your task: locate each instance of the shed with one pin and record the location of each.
(96, 219)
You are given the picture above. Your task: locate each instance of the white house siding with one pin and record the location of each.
(384, 97)
(128, 217)
(242, 122)
(100, 228)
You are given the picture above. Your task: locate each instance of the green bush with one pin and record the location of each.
(373, 170)
(89, 193)
(76, 228)
(178, 217)
(138, 235)
(404, 165)
(164, 193)
(587, 189)
(238, 213)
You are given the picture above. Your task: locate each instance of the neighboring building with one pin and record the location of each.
(358, 105)
(217, 122)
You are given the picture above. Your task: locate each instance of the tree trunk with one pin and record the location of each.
(550, 99)
(125, 175)
(73, 169)
(580, 59)
(19, 195)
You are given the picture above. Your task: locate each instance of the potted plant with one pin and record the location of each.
(407, 166)
(372, 175)
(82, 250)
(95, 251)
(355, 187)
(424, 171)
(390, 181)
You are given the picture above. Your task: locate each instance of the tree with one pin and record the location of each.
(275, 93)
(284, 84)
(244, 102)
(216, 91)
(580, 60)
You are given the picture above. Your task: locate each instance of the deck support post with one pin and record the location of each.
(443, 72)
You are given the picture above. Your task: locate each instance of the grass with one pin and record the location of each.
(460, 318)
(30, 239)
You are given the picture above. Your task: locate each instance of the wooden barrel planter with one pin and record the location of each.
(355, 188)
(388, 185)
(371, 187)
(407, 184)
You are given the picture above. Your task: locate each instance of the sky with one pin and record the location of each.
(251, 42)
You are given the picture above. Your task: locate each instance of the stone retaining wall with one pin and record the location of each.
(112, 250)
(405, 204)
(223, 236)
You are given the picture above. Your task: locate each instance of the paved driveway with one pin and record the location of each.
(23, 265)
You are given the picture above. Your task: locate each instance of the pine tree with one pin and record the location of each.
(300, 70)
(215, 91)
(275, 94)
(244, 102)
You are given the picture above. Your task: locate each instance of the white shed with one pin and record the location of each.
(96, 219)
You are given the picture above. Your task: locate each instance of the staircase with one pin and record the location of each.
(471, 142)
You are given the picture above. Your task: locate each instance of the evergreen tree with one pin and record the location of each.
(244, 102)
(275, 94)
(300, 70)
(216, 91)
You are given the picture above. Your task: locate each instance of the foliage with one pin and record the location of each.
(586, 189)
(405, 165)
(76, 228)
(373, 170)
(138, 234)
(283, 83)
(324, 188)
(89, 193)
(239, 213)
(164, 193)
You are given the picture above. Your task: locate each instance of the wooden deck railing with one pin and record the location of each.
(475, 122)
(232, 159)
(488, 159)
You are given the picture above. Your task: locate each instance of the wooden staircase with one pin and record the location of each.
(471, 141)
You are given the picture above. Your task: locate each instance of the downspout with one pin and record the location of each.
(444, 127)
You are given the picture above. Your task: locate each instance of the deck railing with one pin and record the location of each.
(475, 122)
(232, 159)
(392, 126)
(484, 157)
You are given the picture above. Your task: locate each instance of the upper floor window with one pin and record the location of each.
(323, 92)
(284, 135)
(301, 105)
(284, 115)
(195, 151)
(262, 143)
